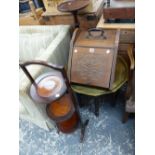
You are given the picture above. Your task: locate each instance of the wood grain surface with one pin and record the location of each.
(92, 68)
(119, 13)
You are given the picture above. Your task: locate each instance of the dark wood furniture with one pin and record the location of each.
(64, 109)
(73, 7)
(118, 10)
(119, 13)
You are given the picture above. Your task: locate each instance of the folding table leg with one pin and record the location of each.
(83, 127)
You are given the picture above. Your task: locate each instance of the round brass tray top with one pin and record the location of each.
(75, 5)
(61, 109)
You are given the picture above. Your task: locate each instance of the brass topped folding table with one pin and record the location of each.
(127, 38)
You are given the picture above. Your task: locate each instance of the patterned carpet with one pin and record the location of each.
(105, 135)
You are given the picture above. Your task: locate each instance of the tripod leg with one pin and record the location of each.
(57, 129)
(125, 117)
(83, 127)
(97, 106)
(114, 98)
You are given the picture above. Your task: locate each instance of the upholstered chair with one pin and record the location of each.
(46, 43)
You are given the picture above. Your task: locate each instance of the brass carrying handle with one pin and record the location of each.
(96, 30)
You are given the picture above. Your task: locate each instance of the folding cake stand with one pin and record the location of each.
(53, 89)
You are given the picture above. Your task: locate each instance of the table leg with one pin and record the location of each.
(97, 106)
(83, 127)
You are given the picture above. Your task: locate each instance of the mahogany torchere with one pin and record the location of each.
(63, 109)
(73, 7)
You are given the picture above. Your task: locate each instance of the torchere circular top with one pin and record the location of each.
(73, 5)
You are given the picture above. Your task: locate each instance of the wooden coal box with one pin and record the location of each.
(93, 57)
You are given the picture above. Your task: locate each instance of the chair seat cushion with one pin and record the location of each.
(121, 76)
(31, 45)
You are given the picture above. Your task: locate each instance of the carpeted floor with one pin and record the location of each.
(105, 135)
